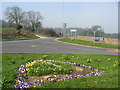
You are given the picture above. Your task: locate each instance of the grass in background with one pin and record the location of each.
(107, 63)
(0, 70)
(88, 43)
(19, 38)
(12, 34)
(7, 30)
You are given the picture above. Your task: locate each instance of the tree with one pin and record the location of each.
(14, 14)
(94, 28)
(25, 21)
(47, 32)
(97, 32)
(38, 25)
(34, 19)
(3, 24)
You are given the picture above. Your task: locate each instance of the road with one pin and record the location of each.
(47, 46)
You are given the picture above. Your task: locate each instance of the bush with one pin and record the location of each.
(47, 32)
(18, 26)
(9, 34)
(16, 35)
(24, 32)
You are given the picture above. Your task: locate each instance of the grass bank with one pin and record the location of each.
(7, 30)
(107, 63)
(12, 34)
(88, 43)
(18, 38)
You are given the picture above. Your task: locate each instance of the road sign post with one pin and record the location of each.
(73, 33)
(100, 32)
(94, 36)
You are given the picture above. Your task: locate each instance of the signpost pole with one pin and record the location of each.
(73, 33)
(100, 35)
(100, 32)
(94, 36)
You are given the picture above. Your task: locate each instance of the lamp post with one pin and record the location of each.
(94, 34)
(64, 29)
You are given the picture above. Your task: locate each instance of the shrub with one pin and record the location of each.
(24, 32)
(47, 32)
(18, 26)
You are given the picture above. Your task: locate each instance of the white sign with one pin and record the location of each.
(73, 30)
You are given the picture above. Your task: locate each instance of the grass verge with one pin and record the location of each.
(19, 38)
(12, 34)
(107, 63)
(7, 30)
(88, 43)
(0, 71)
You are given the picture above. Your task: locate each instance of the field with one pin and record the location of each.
(12, 34)
(88, 43)
(107, 63)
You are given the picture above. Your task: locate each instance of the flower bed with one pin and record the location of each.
(38, 72)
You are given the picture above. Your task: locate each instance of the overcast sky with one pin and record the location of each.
(75, 14)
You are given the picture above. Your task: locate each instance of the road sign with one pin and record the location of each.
(73, 30)
(100, 28)
(73, 33)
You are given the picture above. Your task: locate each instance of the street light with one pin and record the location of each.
(64, 29)
(94, 34)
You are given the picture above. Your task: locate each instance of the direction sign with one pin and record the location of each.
(73, 30)
(100, 28)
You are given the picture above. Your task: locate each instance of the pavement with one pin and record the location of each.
(49, 46)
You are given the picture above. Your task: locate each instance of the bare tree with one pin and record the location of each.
(25, 21)
(14, 14)
(34, 19)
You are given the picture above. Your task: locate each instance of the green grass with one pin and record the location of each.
(0, 70)
(107, 63)
(88, 43)
(11, 34)
(7, 29)
(19, 38)
(46, 68)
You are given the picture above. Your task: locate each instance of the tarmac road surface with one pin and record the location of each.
(47, 46)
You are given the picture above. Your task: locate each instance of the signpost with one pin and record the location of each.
(100, 28)
(94, 36)
(73, 33)
(100, 32)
